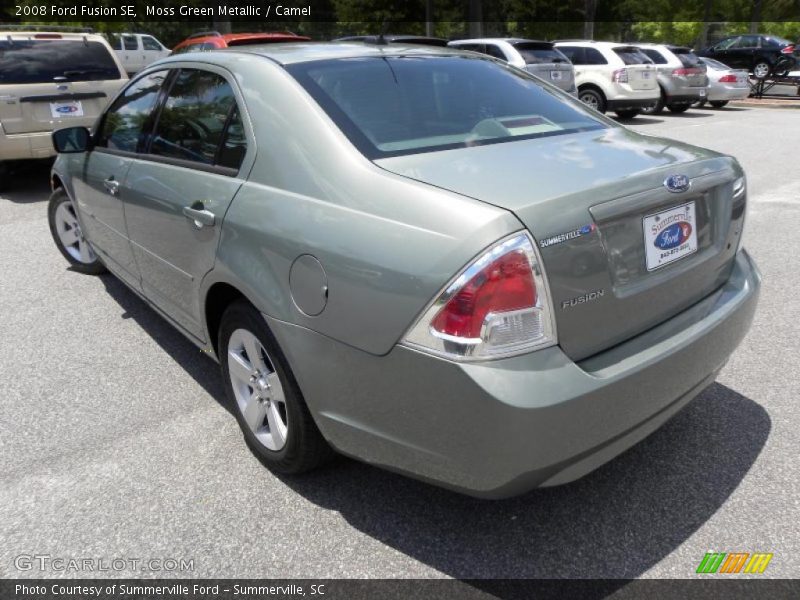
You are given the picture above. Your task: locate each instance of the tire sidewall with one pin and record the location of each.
(57, 198)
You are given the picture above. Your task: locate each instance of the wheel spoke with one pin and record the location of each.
(68, 237)
(239, 368)
(276, 425)
(86, 253)
(254, 413)
(275, 388)
(253, 349)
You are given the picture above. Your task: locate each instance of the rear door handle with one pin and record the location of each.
(112, 186)
(199, 215)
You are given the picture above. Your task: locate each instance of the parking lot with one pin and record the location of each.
(115, 441)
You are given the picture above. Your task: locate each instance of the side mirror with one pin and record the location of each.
(72, 140)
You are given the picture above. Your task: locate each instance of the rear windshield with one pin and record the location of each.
(45, 61)
(715, 64)
(534, 53)
(687, 57)
(631, 55)
(391, 106)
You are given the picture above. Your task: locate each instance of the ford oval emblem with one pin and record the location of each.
(677, 183)
(673, 236)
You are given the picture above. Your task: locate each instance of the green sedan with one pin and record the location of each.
(419, 257)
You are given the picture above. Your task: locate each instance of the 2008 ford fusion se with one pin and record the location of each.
(419, 257)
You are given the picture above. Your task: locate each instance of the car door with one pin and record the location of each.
(740, 55)
(180, 189)
(99, 188)
(131, 56)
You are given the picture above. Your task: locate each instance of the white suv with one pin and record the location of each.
(612, 76)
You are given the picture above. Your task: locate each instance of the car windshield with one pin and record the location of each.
(389, 106)
(45, 61)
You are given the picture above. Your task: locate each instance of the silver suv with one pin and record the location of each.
(48, 80)
(680, 74)
(537, 57)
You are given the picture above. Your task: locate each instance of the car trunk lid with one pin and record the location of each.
(544, 61)
(586, 199)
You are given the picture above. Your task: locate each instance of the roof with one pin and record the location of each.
(232, 38)
(299, 52)
(511, 40)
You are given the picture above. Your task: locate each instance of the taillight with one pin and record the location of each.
(620, 76)
(728, 79)
(787, 50)
(685, 71)
(498, 306)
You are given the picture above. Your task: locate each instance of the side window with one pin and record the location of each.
(130, 42)
(234, 146)
(192, 121)
(495, 51)
(767, 42)
(116, 42)
(727, 44)
(150, 43)
(748, 41)
(575, 54)
(655, 56)
(473, 48)
(123, 126)
(594, 57)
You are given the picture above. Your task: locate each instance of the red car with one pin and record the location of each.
(213, 40)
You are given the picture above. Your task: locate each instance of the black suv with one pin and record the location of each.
(755, 52)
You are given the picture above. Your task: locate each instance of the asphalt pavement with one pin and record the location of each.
(115, 442)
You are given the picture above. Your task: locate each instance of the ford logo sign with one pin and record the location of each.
(677, 183)
(673, 236)
(67, 109)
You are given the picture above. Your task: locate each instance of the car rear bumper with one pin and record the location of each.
(22, 146)
(630, 103)
(497, 429)
(719, 93)
(686, 96)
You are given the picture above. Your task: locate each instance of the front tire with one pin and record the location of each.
(264, 395)
(718, 103)
(69, 238)
(593, 98)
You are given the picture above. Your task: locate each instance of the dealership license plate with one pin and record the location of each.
(555, 75)
(646, 74)
(702, 93)
(670, 235)
(70, 108)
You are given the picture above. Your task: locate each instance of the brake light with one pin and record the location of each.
(728, 79)
(787, 50)
(620, 76)
(686, 71)
(497, 306)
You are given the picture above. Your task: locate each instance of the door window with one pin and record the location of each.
(726, 44)
(575, 54)
(192, 122)
(234, 146)
(493, 50)
(125, 123)
(150, 43)
(594, 57)
(130, 42)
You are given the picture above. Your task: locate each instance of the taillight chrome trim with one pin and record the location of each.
(422, 337)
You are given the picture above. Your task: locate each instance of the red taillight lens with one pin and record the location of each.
(503, 286)
(787, 50)
(728, 79)
(620, 76)
(686, 71)
(496, 307)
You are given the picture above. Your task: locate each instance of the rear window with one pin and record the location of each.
(539, 53)
(687, 57)
(392, 106)
(631, 55)
(715, 64)
(45, 61)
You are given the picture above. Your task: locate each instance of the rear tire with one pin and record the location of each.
(656, 108)
(761, 69)
(679, 108)
(628, 114)
(718, 103)
(593, 98)
(67, 235)
(264, 395)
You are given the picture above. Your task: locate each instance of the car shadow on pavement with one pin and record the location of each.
(616, 522)
(201, 367)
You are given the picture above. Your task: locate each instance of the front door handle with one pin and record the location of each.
(199, 215)
(111, 185)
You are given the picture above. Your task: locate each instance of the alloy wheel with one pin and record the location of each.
(258, 390)
(70, 235)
